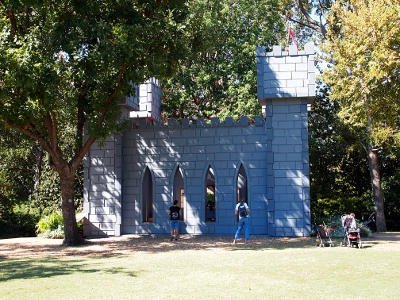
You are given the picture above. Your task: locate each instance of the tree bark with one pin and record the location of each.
(38, 170)
(71, 232)
(377, 190)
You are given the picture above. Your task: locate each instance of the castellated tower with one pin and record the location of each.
(132, 181)
(146, 103)
(285, 87)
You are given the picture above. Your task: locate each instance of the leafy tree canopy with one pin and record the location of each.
(362, 43)
(67, 64)
(221, 80)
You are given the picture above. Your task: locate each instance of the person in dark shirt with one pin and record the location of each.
(174, 215)
(211, 207)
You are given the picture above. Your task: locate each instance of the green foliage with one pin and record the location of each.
(51, 226)
(19, 221)
(49, 223)
(47, 195)
(53, 234)
(8, 230)
(64, 66)
(391, 185)
(17, 168)
(221, 80)
(26, 177)
(363, 74)
(338, 165)
(361, 206)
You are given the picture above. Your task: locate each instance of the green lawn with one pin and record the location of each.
(296, 271)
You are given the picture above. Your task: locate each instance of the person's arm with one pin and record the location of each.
(247, 208)
(236, 210)
(169, 212)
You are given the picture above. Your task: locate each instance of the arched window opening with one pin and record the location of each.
(242, 185)
(179, 192)
(147, 196)
(210, 196)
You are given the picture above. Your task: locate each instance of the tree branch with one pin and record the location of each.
(11, 16)
(317, 24)
(112, 95)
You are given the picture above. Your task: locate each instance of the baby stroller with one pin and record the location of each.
(323, 237)
(352, 235)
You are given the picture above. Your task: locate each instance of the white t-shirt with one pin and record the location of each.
(245, 205)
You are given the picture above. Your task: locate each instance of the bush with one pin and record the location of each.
(20, 221)
(8, 230)
(323, 209)
(51, 226)
(53, 234)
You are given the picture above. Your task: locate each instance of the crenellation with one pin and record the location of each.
(293, 64)
(273, 149)
(185, 123)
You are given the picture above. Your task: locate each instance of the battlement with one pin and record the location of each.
(146, 103)
(285, 74)
(200, 123)
(280, 74)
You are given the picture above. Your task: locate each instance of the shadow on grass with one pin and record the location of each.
(49, 267)
(127, 245)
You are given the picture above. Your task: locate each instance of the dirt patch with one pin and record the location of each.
(124, 245)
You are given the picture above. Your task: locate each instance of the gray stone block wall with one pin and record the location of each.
(102, 188)
(149, 101)
(285, 74)
(146, 102)
(273, 152)
(272, 161)
(194, 148)
(288, 167)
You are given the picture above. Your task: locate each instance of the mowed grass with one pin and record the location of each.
(296, 271)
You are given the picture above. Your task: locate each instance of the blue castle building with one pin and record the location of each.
(132, 181)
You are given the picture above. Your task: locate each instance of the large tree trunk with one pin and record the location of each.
(71, 232)
(377, 190)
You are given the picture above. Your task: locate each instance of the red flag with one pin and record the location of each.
(291, 34)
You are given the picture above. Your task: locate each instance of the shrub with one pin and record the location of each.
(53, 234)
(48, 224)
(19, 221)
(8, 230)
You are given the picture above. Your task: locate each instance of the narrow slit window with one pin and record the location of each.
(242, 185)
(147, 194)
(210, 207)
